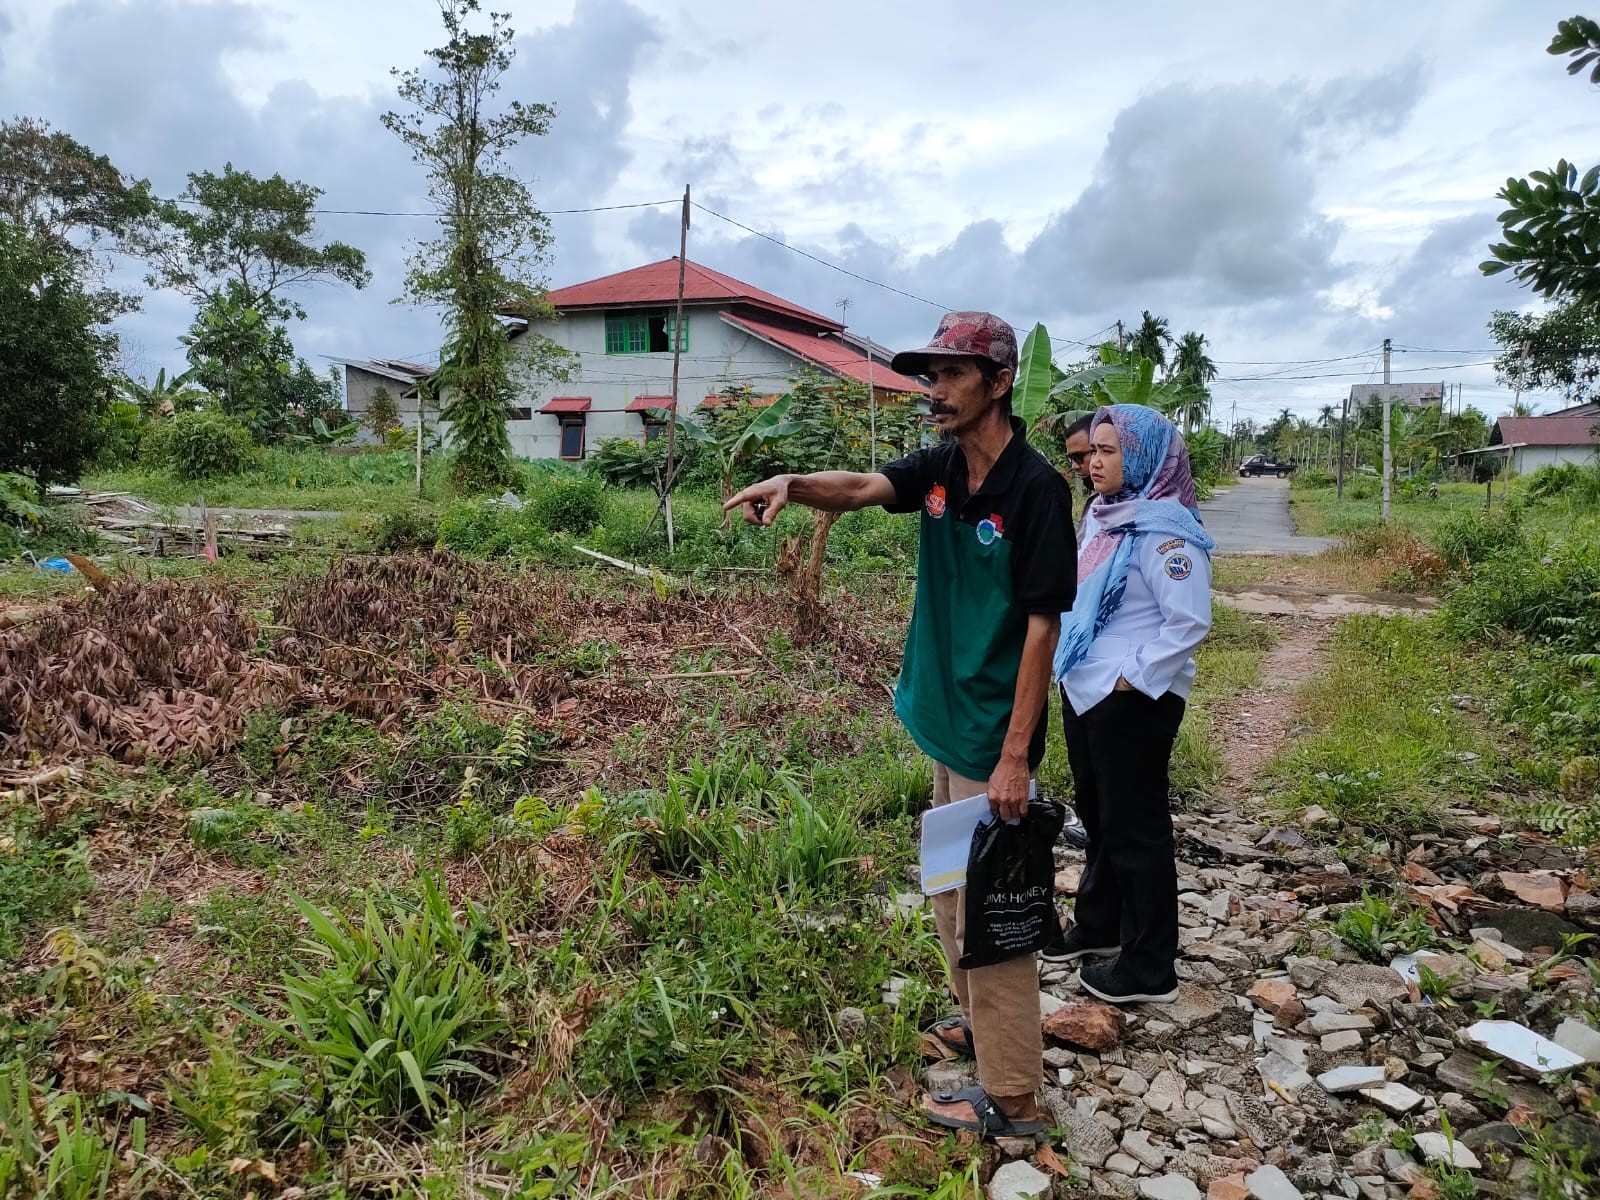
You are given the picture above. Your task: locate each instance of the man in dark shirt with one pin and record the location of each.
(997, 565)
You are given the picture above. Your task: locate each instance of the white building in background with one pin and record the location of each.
(1571, 435)
(619, 327)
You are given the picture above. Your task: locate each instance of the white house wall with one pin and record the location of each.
(1531, 458)
(718, 355)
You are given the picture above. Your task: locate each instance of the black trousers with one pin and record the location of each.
(1120, 751)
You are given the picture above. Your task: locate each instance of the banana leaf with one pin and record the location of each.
(1034, 375)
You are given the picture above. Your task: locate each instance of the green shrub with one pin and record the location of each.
(198, 445)
(1312, 479)
(1570, 479)
(624, 462)
(1549, 594)
(121, 428)
(572, 505)
(1469, 536)
(404, 530)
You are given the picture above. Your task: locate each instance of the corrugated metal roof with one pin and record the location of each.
(829, 354)
(567, 404)
(1557, 430)
(646, 403)
(389, 368)
(657, 283)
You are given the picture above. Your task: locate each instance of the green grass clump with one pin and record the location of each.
(400, 1016)
(1388, 749)
(1378, 931)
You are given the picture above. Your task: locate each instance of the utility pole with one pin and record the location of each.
(1233, 433)
(1121, 339)
(872, 397)
(1344, 420)
(677, 355)
(1388, 405)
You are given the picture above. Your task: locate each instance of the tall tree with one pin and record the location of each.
(52, 384)
(1192, 364)
(1152, 338)
(1557, 350)
(490, 257)
(73, 201)
(250, 239)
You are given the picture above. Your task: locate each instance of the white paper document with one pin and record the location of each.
(947, 840)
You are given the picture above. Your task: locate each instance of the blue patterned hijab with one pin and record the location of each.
(1157, 497)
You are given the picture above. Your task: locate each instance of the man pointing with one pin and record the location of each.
(996, 567)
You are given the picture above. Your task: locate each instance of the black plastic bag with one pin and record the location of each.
(1011, 884)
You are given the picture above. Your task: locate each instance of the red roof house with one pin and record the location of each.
(620, 329)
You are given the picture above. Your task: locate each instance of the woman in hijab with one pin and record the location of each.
(1125, 664)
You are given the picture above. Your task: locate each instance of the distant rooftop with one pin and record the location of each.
(657, 284)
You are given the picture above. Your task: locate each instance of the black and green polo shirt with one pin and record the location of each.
(987, 562)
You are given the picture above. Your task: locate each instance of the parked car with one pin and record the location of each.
(1260, 464)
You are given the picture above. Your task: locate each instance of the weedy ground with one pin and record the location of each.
(417, 875)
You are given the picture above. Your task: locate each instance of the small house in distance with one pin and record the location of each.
(1409, 395)
(734, 334)
(364, 377)
(1570, 435)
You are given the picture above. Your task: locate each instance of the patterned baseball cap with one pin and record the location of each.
(963, 335)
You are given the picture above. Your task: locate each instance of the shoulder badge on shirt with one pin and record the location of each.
(934, 502)
(1178, 566)
(1174, 544)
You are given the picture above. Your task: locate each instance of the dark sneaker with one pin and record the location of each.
(1075, 835)
(1102, 980)
(1069, 948)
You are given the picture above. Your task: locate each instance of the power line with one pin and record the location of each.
(374, 212)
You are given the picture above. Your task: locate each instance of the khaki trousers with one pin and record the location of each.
(1000, 1003)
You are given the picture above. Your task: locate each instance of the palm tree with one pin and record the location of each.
(1152, 338)
(1192, 365)
(1325, 419)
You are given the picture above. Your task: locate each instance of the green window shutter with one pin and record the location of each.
(626, 334)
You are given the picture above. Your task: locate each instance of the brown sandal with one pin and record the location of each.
(939, 1045)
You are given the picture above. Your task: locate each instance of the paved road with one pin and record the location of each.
(1252, 517)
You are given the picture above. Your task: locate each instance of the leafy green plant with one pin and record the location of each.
(198, 445)
(571, 504)
(1433, 986)
(1374, 929)
(400, 1010)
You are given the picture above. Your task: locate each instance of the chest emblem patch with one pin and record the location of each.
(934, 502)
(1174, 544)
(990, 529)
(1179, 566)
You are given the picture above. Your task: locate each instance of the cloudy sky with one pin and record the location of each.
(1297, 182)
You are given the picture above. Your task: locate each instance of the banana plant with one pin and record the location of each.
(165, 396)
(769, 425)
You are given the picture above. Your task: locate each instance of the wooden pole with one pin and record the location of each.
(677, 355)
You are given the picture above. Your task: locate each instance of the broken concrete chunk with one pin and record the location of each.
(1512, 1042)
(1137, 1143)
(1350, 1079)
(1270, 1183)
(1017, 1180)
(1436, 1147)
(1583, 1040)
(1341, 1041)
(1393, 1097)
(1332, 1022)
(1275, 1068)
(1169, 1187)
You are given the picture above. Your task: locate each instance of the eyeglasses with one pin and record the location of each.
(1076, 457)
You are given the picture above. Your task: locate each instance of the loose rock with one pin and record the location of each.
(1017, 1180)
(1096, 1027)
(1436, 1147)
(1270, 1183)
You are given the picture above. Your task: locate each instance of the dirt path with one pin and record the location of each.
(1253, 725)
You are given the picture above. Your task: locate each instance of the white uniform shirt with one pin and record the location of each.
(1150, 640)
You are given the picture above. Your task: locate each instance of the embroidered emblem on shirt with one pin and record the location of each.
(1179, 566)
(989, 530)
(934, 502)
(1174, 544)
